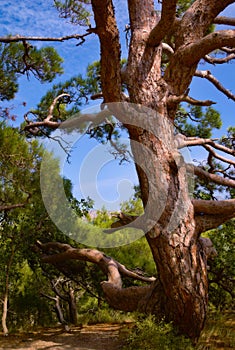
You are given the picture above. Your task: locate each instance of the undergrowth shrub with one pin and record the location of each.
(152, 335)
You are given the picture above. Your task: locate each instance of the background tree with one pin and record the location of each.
(163, 55)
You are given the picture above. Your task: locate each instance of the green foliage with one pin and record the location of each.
(150, 335)
(182, 6)
(222, 267)
(198, 121)
(17, 59)
(76, 11)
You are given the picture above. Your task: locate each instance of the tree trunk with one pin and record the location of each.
(6, 294)
(72, 307)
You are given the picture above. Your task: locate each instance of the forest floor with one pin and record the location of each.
(93, 337)
(219, 333)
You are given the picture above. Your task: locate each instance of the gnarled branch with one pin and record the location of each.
(16, 38)
(207, 75)
(34, 127)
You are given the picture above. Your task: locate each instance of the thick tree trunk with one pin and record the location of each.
(173, 238)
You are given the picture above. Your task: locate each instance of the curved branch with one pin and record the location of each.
(108, 265)
(218, 156)
(34, 127)
(165, 24)
(214, 60)
(192, 53)
(207, 75)
(126, 299)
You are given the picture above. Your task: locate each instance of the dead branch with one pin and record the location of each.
(164, 25)
(214, 60)
(16, 38)
(184, 141)
(207, 75)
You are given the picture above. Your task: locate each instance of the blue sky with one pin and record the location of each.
(40, 18)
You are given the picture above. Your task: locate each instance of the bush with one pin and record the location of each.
(151, 335)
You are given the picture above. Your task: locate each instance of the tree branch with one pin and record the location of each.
(214, 60)
(184, 98)
(207, 75)
(109, 266)
(224, 20)
(210, 214)
(218, 156)
(202, 174)
(16, 38)
(165, 24)
(34, 127)
(8, 207)
(127, 299)
(192, 53)
(106, 29)
(221, 208)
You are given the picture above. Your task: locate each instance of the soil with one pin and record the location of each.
(95, 337)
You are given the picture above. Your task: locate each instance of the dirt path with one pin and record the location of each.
(97, 337)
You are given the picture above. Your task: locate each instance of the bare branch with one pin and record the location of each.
(16, 38)
(207, 75)
(192, 53)
(34, 127)
(218, 156)
(164, 25)
(214, 60)
(201, 173)
(184, 141)
(167, 49)
(228, 49)
(52, 106)
(184, 98)
(225, 20)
